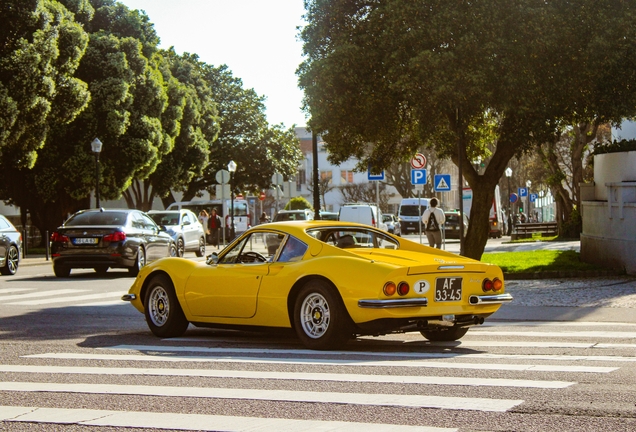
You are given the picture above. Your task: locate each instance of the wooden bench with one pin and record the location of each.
(526, 230)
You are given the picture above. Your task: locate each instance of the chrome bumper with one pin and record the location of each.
(128, 297)
(393, 303)
(490, 299)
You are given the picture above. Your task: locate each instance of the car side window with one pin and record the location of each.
(294, 250)
(185, 218)
(249, 250)
(147, 222)
(3, 224)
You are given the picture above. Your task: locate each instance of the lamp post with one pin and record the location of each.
(528, 184)
(96, 146)
(508, 175)
(231, 167)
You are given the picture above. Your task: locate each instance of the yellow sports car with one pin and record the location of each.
(328, 280)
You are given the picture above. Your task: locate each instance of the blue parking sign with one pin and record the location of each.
(418, 176)
(533, 198)
(523, 192)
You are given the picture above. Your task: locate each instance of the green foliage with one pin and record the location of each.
(615, 146)
(298, 203)
(572, 228)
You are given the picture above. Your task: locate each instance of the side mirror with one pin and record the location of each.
(213, 258)
(186, 223)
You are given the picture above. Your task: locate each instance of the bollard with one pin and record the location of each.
(25, 243)
(47, 244)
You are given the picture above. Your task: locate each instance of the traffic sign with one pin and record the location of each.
(418, 176)
(442, 183)
(374, 177)
(261, 196)
(533, 197)
(523, 192)
(514, 198)
(222, 176)
(418, 161)
(277, 179)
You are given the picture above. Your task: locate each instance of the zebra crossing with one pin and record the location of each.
(435, 376)
(63, 297)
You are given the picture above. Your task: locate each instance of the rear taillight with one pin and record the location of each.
(492, 285)
(389, 289)
(403, 288)
(59, 238)
(115, 237)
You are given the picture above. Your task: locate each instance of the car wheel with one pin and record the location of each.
(11, 262)
(101, 270)
(61, 270)
(139, 262)
(201, 251)
(445, 335)
(320, 318)
(172, 250)
(180, 248)
(163, 313)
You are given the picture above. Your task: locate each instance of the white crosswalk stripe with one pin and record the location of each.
(60, 297)
(361, 373)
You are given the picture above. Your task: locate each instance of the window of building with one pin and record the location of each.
(346, 177)
(326, 176)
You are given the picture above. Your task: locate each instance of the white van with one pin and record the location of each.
(368, 214)
(410, 214)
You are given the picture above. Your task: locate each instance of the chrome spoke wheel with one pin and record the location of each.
(180, 248)
(12, 260)
(315, 315)
(158, 306)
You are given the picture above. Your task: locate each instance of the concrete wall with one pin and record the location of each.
(609, 216)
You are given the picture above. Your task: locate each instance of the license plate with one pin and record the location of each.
(85, 240)
(448, 289)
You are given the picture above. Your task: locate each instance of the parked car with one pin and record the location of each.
(107, 238)
(451, 226)
(368, 214)
(329, 281)
(10, 247)
(392, 224)
(184, 228)
(328, 216)
(292, 215)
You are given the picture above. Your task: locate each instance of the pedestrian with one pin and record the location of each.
(263, 219)
(204, 216)
(214, 227)
(433, 219)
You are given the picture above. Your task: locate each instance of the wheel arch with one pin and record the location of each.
(300, 283)
(144, 286)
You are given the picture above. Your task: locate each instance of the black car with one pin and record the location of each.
(105, 238)
(451, 227)
(10, 246)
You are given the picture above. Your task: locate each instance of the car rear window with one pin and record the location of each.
(98, 218)
(452, 217)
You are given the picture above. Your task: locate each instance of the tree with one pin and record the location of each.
(325, 185)
(298, 203)
(365, 193)
(486, 78)
(40, 49)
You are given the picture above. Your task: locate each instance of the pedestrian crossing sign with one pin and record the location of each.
(442, 183)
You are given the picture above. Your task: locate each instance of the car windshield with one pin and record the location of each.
(347, 238)
(280, 217)
(165, 218)
(411, 210)
(387, 218)
(114, 218)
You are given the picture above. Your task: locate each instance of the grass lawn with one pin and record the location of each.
(538, 261)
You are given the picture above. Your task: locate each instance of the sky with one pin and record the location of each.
(256, 39)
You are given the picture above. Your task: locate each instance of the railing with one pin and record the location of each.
(618, 194)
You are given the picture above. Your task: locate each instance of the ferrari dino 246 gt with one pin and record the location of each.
(330, 281)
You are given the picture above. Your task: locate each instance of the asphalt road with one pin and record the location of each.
(73, 357)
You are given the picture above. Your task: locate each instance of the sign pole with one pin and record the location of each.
(419, 211)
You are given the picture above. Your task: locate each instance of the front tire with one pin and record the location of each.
(164, 315)
(139, 262)
(201, 251)
(320, 318)
(11, 262)
(445, 335)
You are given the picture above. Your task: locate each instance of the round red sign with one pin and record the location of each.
(261, 196)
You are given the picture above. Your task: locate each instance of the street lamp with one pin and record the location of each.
(509, 174)
(96, 146)
(231, 167)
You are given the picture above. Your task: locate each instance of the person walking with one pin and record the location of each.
(204, 217)
(214, 227)
(433, 219)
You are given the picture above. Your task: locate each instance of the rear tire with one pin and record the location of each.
(180, 248)
(445, 335)
(321, 320)
(61, 270)
(140, 261)
(201, 251)
(11, 262)
(101, 270)
(164, 315)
